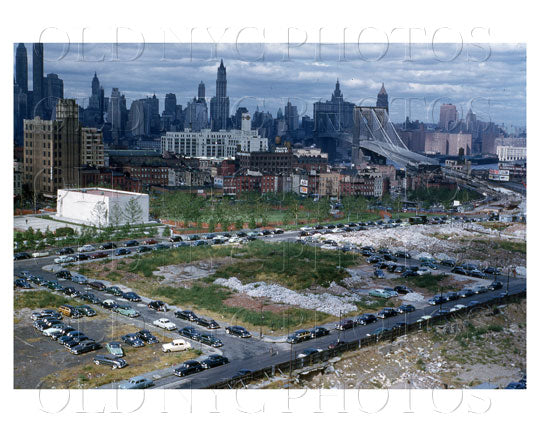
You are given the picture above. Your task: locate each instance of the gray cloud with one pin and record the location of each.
(491, 79)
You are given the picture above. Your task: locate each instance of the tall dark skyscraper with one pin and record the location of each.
(38, 86)
(219, 105)
(21, 68)
(201, 92)
(382, 98)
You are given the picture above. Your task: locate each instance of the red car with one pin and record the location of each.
(150, 242)
(99, 255)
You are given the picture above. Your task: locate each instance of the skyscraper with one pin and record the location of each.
(219, 105)
(291, 117)
(52, 150)
(447, 116)
(201, 92)
(382, 98)
(38, 85)
(116, 114)
(21, 68)
(55, 90)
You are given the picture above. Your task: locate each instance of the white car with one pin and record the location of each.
(80, 279)
(458, 307)
(423, 271)
(164, 323)
(87, 248)
(40, 254)
(64, 259)
(424, 318)
(51, 331)
(176, 345)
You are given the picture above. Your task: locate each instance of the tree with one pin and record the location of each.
(133, 213)
(99, 214)
(116, 215)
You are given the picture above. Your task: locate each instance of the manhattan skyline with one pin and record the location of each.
(494, 87)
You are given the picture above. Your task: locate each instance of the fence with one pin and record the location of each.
(325, 355)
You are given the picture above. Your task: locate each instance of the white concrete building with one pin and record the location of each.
(102, 207)
(507, 153)
(211, 144)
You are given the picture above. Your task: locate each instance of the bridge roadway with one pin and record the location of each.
(253, 353)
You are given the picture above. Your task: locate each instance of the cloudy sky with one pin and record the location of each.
(418, 78)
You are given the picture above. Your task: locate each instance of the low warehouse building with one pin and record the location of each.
(102, 207)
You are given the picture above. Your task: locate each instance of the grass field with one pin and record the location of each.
(432, 283)
(40, 300)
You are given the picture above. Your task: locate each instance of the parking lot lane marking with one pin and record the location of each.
(23, 341)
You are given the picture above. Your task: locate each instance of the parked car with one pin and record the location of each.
(121, 251)
(84, 347)
(136, 383)
(207, 322)
(299, 336)
(185, 315)
(238, 331)
(144, 249)
(133, 339)
(492, 270)
(158, 305)
(435, 300)
(210, 340)
(214, 360)
(466, 292)
(317, 332)
(345, 325)
(65, 259)
(449, 296)
(131, 243)
(188, 367)
(114, 290)
(336, 344)
(176, 345)
(81, 257)
(131, 296)
(407, 308)
(98, 255)
(150, 242)
(80, 279)
(106, 246)
(100, 286)
(495, 285)
(190, 332)
(308, 352)
(21, 283)
(147, 337)
(386, 313)
(379, 292)
(126, 311)
(63, 275)
(113, 362)
(21, 256)
(365, 319)
(165, 323)
(86, 248)
(109, 304)
(115, 348)
(91, 297)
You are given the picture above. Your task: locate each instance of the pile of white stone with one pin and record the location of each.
(325, 302)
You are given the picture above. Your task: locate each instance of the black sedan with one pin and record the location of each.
(147, 337)
(214, 360)
(84, 347)
(131, 243)
(345, 325)
(387, 313)
(121, 251)
(131, 296)
(190, 332)
(113, 362)
(158, 305)
(133, 340)
(366, 319)
(319, 332)
(186, 315)
(188, 367)
(407, 308)
(208, 323)
(238, 331)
